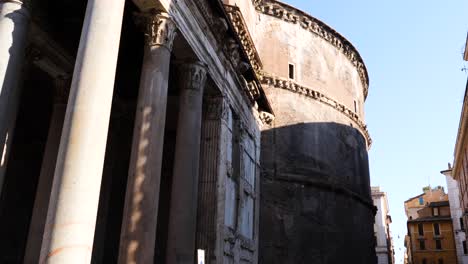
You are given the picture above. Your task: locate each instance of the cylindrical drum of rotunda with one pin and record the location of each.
(316, 205)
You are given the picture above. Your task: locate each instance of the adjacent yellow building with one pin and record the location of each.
(430, 238)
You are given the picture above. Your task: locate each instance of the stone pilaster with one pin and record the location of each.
(139, 223)
(44, 186)
(14, 21)
(183, 210)
(71, 218)
(213, 150)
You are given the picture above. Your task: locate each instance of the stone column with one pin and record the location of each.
(139, 222)
(71, 217)
(14, 21)
(183, 212)
(46, 177)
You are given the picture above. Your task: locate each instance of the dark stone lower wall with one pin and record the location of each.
(315, 196)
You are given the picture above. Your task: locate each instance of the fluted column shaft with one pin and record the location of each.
(14, 21)
(183, 210)
(139, 223)
(46, 177)
(71, 217)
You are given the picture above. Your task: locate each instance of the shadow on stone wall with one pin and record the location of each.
(315, 196)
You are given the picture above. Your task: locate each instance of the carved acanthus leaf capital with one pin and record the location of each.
(193, 75)
(217, 108)
(158, 27)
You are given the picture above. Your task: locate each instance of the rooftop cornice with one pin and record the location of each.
(242, 31)
(278, 82)
(292, 15)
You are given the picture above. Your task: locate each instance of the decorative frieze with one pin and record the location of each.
(292, 15)
(281, 83)
(158, 27)
(243, 33)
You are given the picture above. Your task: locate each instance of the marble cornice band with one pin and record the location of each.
(289, 85)
(158, 27)
(242, 31)
(295, 16)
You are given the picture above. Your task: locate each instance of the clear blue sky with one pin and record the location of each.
(413, 52)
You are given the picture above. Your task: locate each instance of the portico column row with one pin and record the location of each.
(139, 222)
(71, 217)
(184, 195)
(14, 21)
(46, 176)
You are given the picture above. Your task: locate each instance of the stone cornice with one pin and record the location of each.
(289, 85)
(242, 31)
(295, 16)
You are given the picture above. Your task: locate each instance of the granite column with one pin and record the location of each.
(46, 177)
(71, 218)
(184, 195)
(14, 21)
(139, 223)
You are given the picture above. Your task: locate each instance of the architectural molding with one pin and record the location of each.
(251, 89)
(246, 40)
(48, 55)
(289, 85)
(158, 27)
(266, 118)
(295, 16)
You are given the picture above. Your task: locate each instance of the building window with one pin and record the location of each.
(424, 261)
(291, 71)
(465, 251)
(438, 244)
(436, 229)
(462, 225)
(435, 211)
(441, 261)
(420, 229)
(355, 107)
(422, 245)
(421, 201)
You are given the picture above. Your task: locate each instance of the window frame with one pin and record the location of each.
(436, 229)
(438, 244)
(420, 229)
(291, 71)
(422, 244)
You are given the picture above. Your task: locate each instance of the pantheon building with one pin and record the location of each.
(180, 131)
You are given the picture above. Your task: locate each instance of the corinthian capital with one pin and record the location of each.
(193, 75)
(158, 27)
